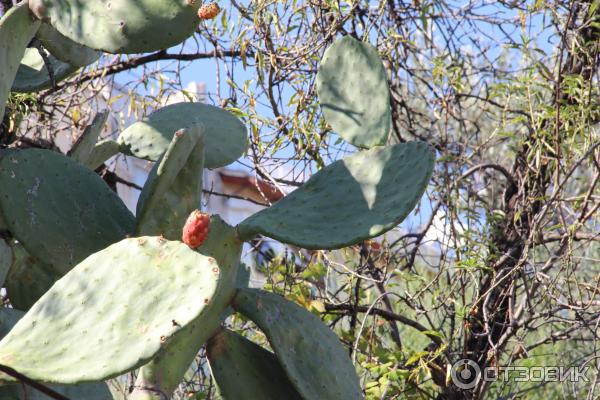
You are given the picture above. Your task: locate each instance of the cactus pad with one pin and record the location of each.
(83, 148)
(312, 355)
(33, 76)
(6, 259)
(244, 370)
(224, 135)
(353, 199)
(121, 26)
(166, 370)
(28, 278)
(174, 186)
(17, 28)
(88, 391)
(3, 225)
(64, 48)
(354, 94)
(8, 318)
(61, 211)
(138, 295)
(102, 151)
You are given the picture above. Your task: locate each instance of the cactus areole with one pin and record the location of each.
(195, 230)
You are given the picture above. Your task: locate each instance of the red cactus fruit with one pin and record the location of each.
(195, 230)
(209, 11)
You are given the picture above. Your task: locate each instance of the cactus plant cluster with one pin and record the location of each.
(98, 292)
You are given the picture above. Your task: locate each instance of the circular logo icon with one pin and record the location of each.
(465, 374)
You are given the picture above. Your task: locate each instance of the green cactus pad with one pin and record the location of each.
(17, 28)
(8, 318)
(3, 225)
(121, 26)
(28, 278)
(33, 76)
(102, 151)
(64, 48)
(113, 312)
(6, 259)
(244, 370)
(243, 278)
(85, 391)
(174, 187)
(311, 354)
(166, 370)
(354, 94)
(82, 149)
(353, 199)
(61, 211)
(224, 135)
(90, 391)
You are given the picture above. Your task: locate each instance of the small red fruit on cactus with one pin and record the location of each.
(195, 229)
(209, 11)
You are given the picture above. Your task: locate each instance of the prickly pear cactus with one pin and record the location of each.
(195, 230)
(88, 391)
(174, 186)
(17, 28)
(359, 197)
(65, 49)
(61, 211)
(303, 345)
(28, 278)
(162, 375)
(6, 259)
(245, 370)
(85, 145)
(224, 135)
(137, 294)
(100, 302)
(102, 151)
(354, 93)
(32, 75)
(121, 26)
(8, 319)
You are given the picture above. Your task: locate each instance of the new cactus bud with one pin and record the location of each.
(209, 11)
(195, 230)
